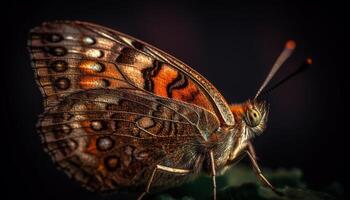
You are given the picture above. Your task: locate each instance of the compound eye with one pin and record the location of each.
(253, 118)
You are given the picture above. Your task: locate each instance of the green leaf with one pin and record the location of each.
(240, 183)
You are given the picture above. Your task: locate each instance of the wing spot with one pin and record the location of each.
(55, 51)
(94, 82)
(92, 66)
(111, 163)
(88, 40)
(98, 67)
(62, 130)
(72, 144)
(62, 83)
(105, 143)
(69, 37)
(54, 37)
(98, 125)
(95, 53)
(59, 65)
(145, 122)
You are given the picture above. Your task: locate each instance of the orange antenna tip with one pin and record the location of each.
(287, 51)
(290, 44)
(309, 61)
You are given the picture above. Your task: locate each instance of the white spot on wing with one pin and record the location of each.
(69, 37)
(95, 53)
(88, 40)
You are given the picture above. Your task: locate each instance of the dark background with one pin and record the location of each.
(232, 44)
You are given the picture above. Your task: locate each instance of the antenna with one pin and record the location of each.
(287, 51)
(306, 64)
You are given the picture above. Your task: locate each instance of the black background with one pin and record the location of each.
(232, 44)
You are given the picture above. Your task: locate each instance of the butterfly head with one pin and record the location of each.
(255, 116)
(251, 116)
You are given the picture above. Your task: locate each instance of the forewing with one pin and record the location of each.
(76, 56)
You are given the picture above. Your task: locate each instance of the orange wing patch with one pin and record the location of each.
(191, 94)
(165, 76)
(165, 81)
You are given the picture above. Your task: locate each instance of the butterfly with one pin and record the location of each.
(120, 113)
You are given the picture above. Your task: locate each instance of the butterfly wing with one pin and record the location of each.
(74, 56)
(115, 106)
(108, 139)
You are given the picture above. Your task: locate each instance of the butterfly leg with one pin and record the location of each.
(252, 150)
(258, 172)
(165, 169)
(213, 173)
